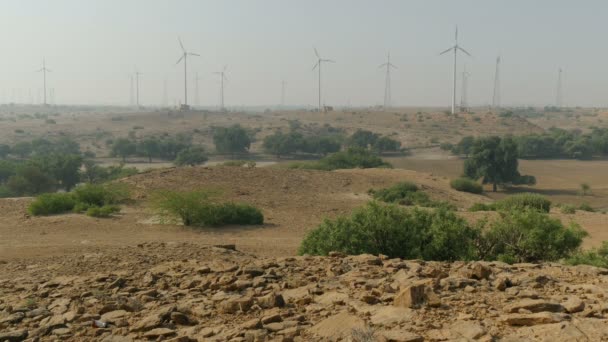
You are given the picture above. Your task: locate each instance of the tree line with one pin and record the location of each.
(555, 143)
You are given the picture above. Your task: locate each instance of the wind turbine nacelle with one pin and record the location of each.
(184, 107)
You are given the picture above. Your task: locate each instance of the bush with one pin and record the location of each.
(597, 257)
(99, 195)
(235, 163)
(525, 201)
(586, 207)
(191, 156)
(197, 208)
(466, 185)
(53, 203)
(483, 207)
(568, 209)
(407, 193)
(103, 212)
(395, 231)
(529, 236)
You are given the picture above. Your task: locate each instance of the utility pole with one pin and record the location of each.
(558, 99)
(496, 96)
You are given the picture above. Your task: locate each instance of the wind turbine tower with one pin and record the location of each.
(137, 73)
(387, 83)
(558, 99)
(455, 48)
(282, 94)
(222, 79)
(464, 103)
(44, 70)
(320, 61)
(496, 96)
(165, 94)
(184, 57)
(197, 97)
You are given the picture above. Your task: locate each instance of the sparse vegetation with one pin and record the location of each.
(352, 158)
(103, 199)
(406, 193)
(200, 209)
(466, 185)
(597, 257)
(525, 201)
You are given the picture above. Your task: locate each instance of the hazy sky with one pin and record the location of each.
(92, 47)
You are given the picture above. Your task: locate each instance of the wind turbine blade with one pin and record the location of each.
(329, 60)
(465, 51)
(314, 67)
(446, 51)
(392, 65)
(181, 44)
(317, 53)
(382, 65)
(225, 67)
(49, 70)
(180, 59)
(39, 70)
(193, 54)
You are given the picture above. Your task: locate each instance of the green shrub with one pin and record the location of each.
(80, 208)
(482, 207)
(352, 158)
(466, 185)
(568, 209)
(101, 194)
(103, 212)
(5, 192)
(197, 208)
(528, 235)
(525, 201)
(52, 203)
(235, 163)
(597, 257)
(407, 193)
(409, 233)
(586, 207)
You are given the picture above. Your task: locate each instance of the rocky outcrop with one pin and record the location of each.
(181, 292)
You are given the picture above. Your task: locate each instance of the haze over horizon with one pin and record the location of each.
(92, 48)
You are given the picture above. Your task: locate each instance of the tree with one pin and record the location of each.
(22, 149)
(30, 180)
(4, 150)
(322, 145)
(232, 140)
(585, 189)
(464, 146)
(282, 144)
(191, 156)
(123, 148)
(362, 138)
(495, 161)
(7, 169)
(386, 144)
(150, 147)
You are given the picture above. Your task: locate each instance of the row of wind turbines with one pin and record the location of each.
(388, 65)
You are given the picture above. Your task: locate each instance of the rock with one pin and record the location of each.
(573, 305)
(274, 327)
(113, 316)
(115, 338)
(400, 336)
(251, 324)
(255, 335)
(180, 318)
(337, 326)
(159, 332)
(391, 315)
(533, 318)
(331, 298)
(468, 329)
(271, 318)
(13, 336)
(235, 305)
(253, 271)
(534, 305)
(479, 271)
(270, 301)
(13, 318)
(415, 296)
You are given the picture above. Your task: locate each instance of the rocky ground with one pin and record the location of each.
(190, 292)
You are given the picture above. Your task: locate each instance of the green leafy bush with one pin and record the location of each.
(525, 201)
(395, 231)
(466, 185)
(103, 212)
(53, 203)
(407, 193)
(350, 159)
(197, 208)
(483, 207)
(235, 163)
(98, 195)
(597, 257)
(528, 235)
(586, 207)
(568, 209)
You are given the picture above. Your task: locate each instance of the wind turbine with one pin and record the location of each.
(184, 57)
(44, 70)
(455, 48)
(137, 73)
(197, 98)
(318, 65)
(496, 96)
(464, 102)
(222, 79)
(558, 96)
(387, 83)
